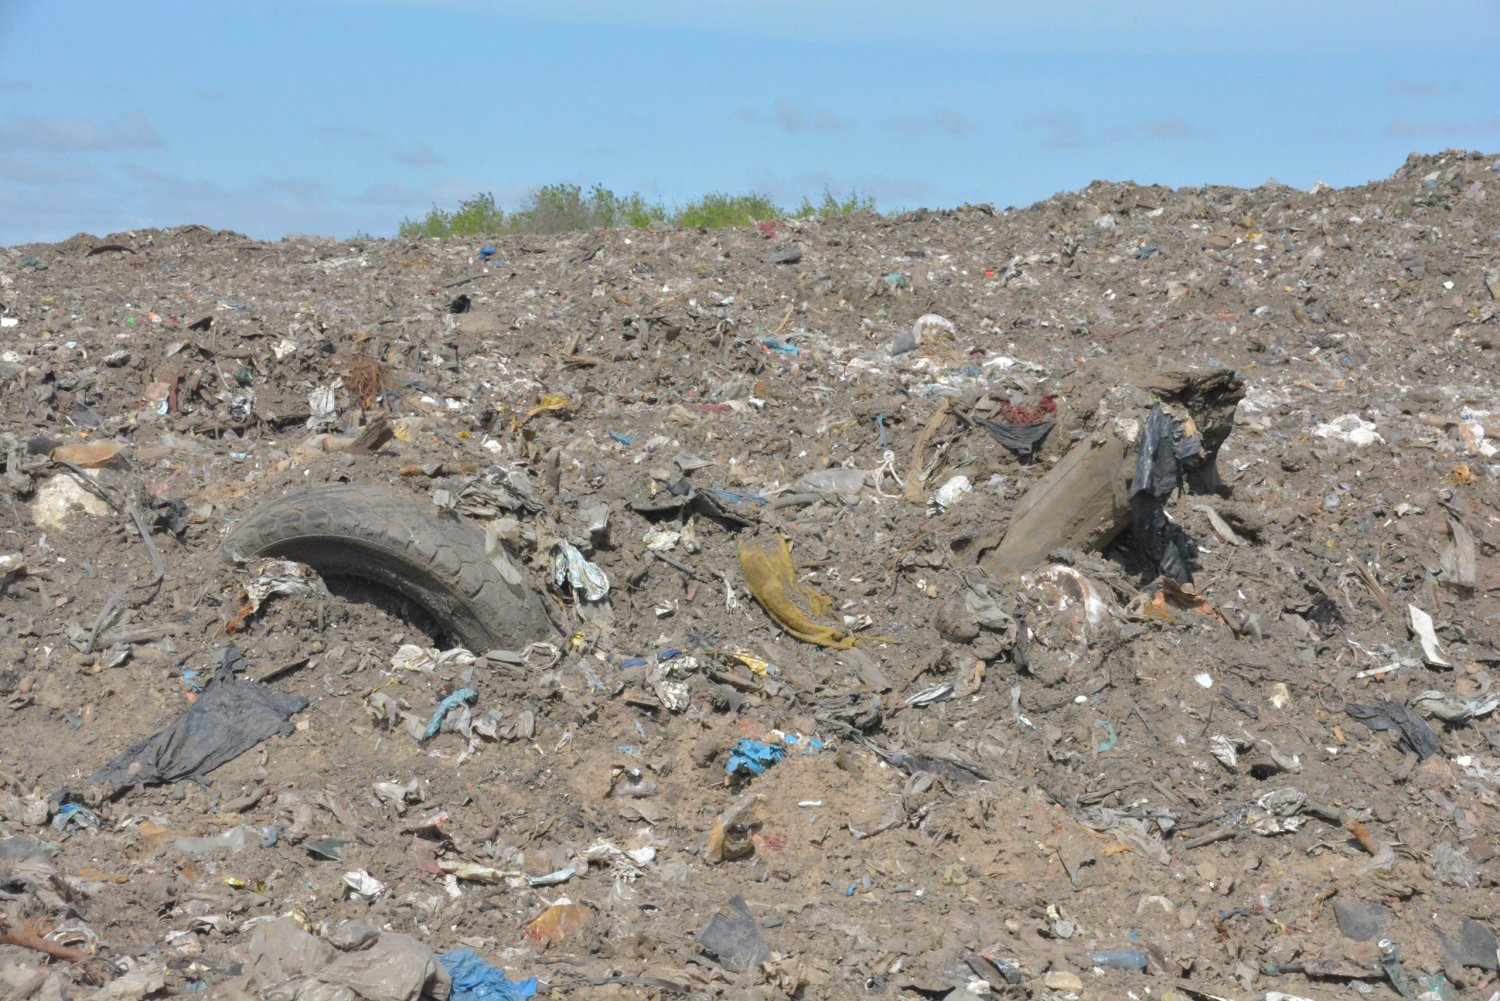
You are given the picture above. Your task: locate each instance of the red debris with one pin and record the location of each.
(1020, 413)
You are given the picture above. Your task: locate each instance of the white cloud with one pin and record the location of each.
(1171, 128)
(27, 170)
(420, 155)
(353, 132)
(27, 216)
(793, 116)
(396, 195)
(63, 134)
(1059, 131)
(1438, 128)
(938, 123)
(278, 205)
(1418, 88)
(796, 117)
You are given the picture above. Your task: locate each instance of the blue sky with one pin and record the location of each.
(346, 116)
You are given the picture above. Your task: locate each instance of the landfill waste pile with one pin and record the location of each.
(1098, 599)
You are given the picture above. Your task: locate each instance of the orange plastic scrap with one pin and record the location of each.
(247, 607)
(773, 582)
(1173, 596)
(557, 922)
(87, 454)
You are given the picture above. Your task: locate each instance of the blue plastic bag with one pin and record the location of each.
(476, 980)
(753, 757)
(452, 702)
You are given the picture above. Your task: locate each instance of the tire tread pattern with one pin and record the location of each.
(435, 558)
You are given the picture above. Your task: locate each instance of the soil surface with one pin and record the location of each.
(1232, 785)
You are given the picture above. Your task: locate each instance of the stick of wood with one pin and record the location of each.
(785, 319)
(652, 554)
(28, 939)
(373, 437)
(914, 490)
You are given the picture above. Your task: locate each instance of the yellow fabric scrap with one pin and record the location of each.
(549, 404)
(773, 582)
(757, 665)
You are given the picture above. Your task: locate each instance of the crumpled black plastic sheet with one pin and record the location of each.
(1166, 453)
(1416, 735)
(229, 717)
(1021, 439)
(732, 936)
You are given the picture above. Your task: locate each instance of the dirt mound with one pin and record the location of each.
(791, 728)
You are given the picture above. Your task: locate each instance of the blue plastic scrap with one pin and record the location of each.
(813, 743)
(72, 815)
(778, 347)
(452, 702)
(476, 980)
(486, 252)
(625, 439)
(753, 757)
(627, 662)
(733, 496)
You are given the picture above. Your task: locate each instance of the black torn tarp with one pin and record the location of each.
(1168, 450)
(684, 494)
(1021, 439)
(1473, 945)
(732, 936)
(229, 718)
(1457, 567)
(1416, 735)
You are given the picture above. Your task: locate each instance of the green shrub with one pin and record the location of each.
(853, 204)
(437, 223)
(718, 210)
(637, 213)
(564, 208)
(475, 216)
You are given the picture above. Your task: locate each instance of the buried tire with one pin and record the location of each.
(432, 557)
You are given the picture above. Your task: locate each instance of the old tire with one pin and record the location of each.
(397, 541)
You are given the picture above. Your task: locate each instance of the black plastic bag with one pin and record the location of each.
(229, 718)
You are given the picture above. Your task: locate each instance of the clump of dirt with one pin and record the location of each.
(1089, 778)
